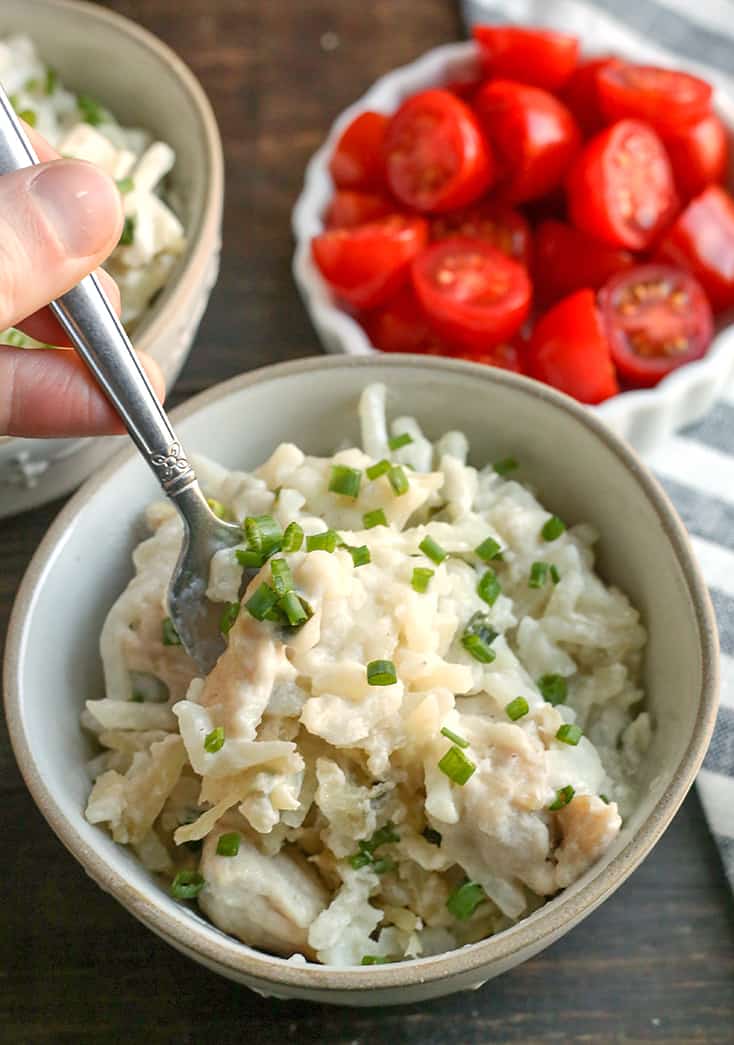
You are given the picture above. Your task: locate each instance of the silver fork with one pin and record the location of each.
(93, 328)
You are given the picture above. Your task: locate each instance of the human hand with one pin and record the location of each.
(58, 222)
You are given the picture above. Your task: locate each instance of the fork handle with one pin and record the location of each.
(95, 331)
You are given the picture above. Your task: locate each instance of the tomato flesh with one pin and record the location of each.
(668, 99)
(533, 136)
(570, 351)
(620, 189)
(567, 260)
(580, 95)
(436, 157)
(499, 225)
(699, 155)
(702, 241)
(401, 326)
(657, 318)
(366, 265)
(349, 208)
(356, 162)
(474, 296)
(535, 56)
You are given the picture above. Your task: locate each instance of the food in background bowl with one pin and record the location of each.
(427, 719)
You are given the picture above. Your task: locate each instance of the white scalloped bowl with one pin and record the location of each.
(645, 417)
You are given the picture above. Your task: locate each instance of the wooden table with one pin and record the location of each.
(655, 963)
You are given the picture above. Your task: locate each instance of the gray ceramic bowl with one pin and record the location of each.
(581, 471)
(144, 84)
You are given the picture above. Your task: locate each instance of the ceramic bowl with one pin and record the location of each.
(580, 470)
(145, 84)
(645, 418)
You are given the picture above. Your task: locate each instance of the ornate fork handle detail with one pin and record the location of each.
(172, 469)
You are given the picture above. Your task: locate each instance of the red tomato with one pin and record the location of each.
(349, 208)
(508, 356)
(657, 318)
(532, 134)
(401, 326)
(567, 260)
(435, 154)
(464, 89)
(569, 350)
(581, 94)
(494, 222)
(367, 265)
(620, 189)
(356, 162)
(699, 155)
(702, 241)
(474, 296)
(666, 98)
(535, 56)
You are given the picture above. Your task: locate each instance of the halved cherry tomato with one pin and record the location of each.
(494, 222)
(668, 99)
(620, 189)
(581, 94)
(657, 318)
(474, 296)
(356, 162)
(465, 89)
(699, 155)
(368, 264)
(349, 208)
(401, 326)
(569, 350)
(436, 157)
(535, 56)
(533, 136)
(566, 260)
(702, 241)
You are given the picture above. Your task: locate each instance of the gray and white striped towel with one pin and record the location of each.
(696, 467)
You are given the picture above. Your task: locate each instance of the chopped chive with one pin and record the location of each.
(478, 638)
(358, 860)
(569, 733)
(563, 797)
(170, 636)
(361, 555)
(552, 528)
(125, 185)
(262, 602)
(398, 480)
(52, 80)
(14, 101)
(344, 480)
(324, 542)
(604, 799)
(374, 959)
(187, 884)
(538, 575)
(29, 116)
(263, 534)
(421, 579)
(296, 611)
(214, 741)
(555, 575)
(381, 673)
(91, 111)
(454, 737)
(380, 468)
(506, 465)
(517, 708)
(397, 442)
(282, 577)
(465, 899)
(137, 698)
(248, 558)
(375, 518)
(229, 844)
(489, 588)
(489, 549)
(382, 836)
(433, 550)
(228, 616)
(456, 765)
(384, 865)
(220, 510)
(32, 85)
(128, 233)
(432, 836)
(553, 688)
(292, 538)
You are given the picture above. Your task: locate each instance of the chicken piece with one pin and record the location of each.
(589, 826)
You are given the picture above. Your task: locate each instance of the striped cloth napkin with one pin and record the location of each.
(696, 467)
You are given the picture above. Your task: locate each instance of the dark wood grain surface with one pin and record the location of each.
(655, 963)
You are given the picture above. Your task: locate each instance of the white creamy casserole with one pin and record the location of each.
(426, 720)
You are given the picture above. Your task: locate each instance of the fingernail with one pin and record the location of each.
(80, 203)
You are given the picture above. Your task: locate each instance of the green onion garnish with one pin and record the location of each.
(323, 542)
(14, 101)
(137, 697)
(397, 442)
(506, 465)
(214, 741)
(375, 518)
(517, 708)
(128, 232)
(489, 549)
(360, 859)
(465, 899)
(282, 577)
(383, 865)
(382, 836)
(32, 85)
(262, 602)
(489, 588)
(478, 638)
(229, 844)
(563, 797)
(263, 534)
(421, 579)
(555, 575)
(170, 636)
(292, 538)
(91, 111)
(552, 528)
(569, 733)
(380, 468)
(604, 799)
(228, 617)
(398, 480)
(29, 116)
(381, 673)
(294, 608)
(538, 575)
(220, 510)
(454, 737)
(248, 558)
(187, 884)
(52, 79)
(553, 688)
(125, 185)
(433, 550)
(361, 555)
(456, 765)
(344, 480)
(374, 959)
(431, 836)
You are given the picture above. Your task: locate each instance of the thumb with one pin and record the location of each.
(58, 222)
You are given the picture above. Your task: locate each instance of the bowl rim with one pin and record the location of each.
(531, 934)
(152, 326)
